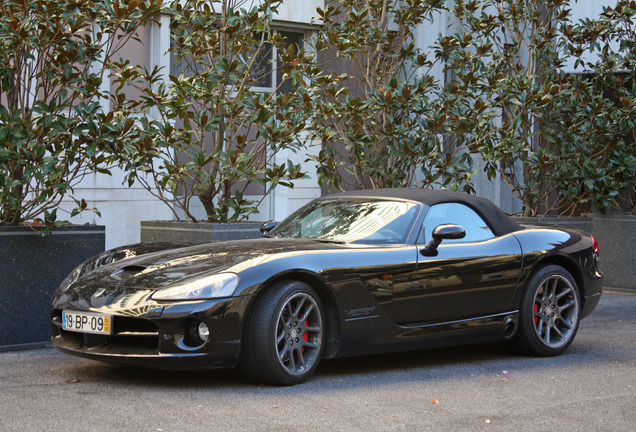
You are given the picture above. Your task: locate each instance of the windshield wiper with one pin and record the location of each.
(328, 241)
(321, 240)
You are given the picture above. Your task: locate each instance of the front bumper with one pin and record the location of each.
(156, 335)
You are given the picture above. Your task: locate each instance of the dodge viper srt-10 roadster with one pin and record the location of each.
(348, 274)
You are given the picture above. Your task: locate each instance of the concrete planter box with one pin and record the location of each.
(187, 232)
(31, 268)
(616, 235)
(582, 223)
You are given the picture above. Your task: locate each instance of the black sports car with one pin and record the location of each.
(348, 274)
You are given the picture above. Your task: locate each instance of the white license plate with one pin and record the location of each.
(86, 322)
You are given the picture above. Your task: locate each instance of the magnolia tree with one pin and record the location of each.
(606, 118)
(563, 142)
(53, 130)
(216, 126)
(242, 94)
(505, 62)
(376, 111)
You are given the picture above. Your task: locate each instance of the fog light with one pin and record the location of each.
(204, 332)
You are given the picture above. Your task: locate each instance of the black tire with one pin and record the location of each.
(550, 312)
(283, 341)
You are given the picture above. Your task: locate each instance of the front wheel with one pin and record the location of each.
(550, 310)
(284, 337)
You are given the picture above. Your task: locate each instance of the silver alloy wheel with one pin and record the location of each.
(555, 311)
(298, 333)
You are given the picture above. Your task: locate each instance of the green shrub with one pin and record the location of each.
(53, 131)
(207, 132)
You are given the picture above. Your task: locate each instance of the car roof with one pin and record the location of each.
(500, 223)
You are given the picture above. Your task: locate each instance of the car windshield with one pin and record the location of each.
(351, 221)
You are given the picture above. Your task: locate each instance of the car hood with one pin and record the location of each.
(159, 269)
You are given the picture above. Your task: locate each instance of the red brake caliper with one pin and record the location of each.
(305, 334)
(536, 309)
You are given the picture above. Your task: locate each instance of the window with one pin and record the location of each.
(295, 40)
(268, 74)
(459, 214)
(265, 74)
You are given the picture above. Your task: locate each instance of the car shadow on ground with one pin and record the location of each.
(432, 364)
(595, 345)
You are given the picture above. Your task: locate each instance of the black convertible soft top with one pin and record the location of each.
(498, 221)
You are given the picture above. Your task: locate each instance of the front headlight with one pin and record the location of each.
(71, 278)
(215, 286)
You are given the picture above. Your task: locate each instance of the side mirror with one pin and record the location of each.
(442, 232)
(266, 227)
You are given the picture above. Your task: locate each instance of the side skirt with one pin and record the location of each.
(491, 328)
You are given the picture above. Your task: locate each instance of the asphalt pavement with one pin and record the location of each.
(592, 387)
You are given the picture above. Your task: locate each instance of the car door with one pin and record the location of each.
(468, 278)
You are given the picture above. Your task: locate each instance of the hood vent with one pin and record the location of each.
(127, 272)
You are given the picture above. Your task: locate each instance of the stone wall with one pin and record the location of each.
(616, 235)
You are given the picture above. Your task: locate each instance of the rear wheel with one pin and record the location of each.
(550, 310)
(284, 338)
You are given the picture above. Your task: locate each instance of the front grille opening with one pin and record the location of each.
(123, 324)
(92, 340)
(130, 335)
